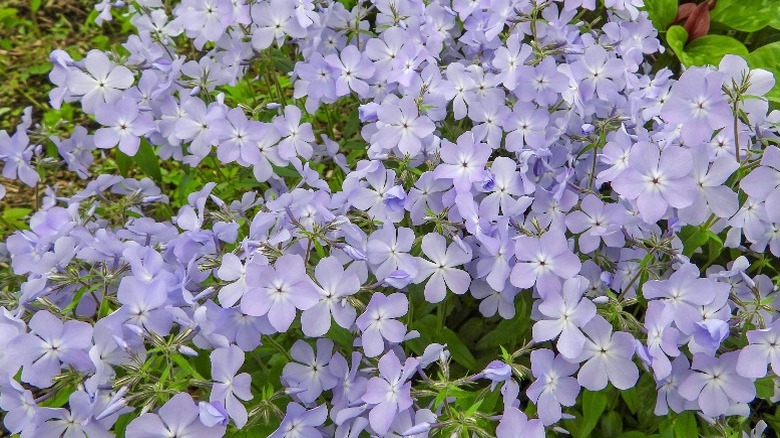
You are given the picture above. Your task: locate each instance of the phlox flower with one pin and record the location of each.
(657, 179)
(554, 387)
(378, 322)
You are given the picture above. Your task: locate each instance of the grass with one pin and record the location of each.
(29, 31)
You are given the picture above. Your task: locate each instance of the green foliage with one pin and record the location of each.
(707, 50)
(593, 405)
(661, 12)
(768, 58)
(746, 16)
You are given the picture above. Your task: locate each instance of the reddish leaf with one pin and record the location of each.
(683, 12)
(698, 23)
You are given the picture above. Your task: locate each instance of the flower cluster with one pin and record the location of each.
(500, 160)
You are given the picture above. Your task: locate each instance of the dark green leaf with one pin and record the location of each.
(593, 404)
(765, 388)
(430, 331)
(693, 238)
(147, 161)
(768, 58)
(611, 424)
(685, 426)
(123, 162)
(747, 16)
(710, 49)
(661, 12)
(631, 398)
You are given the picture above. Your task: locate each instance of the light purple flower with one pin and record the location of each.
(608, 357)
(714, 195)
(335, 286)
(698, 104)
(657, 179)
(388, 251)
(353, 69)
(310, 372)
(668, 395)
(378, 322)
(179, 416)
(143, 304)
(683, 293)
(764, 349)
(301, 423)
(296, 136)
(123, 125)
(662, 338)
(441, 269)
(464, 162)
(543, 261)
(277, 292)
(553, 386)
(514, 423)
(50, 345)
(100, 82)
(230, 386)
(595, 222)
(565, 314)
(763, 183)
(716, 384)
(390, 393)
(400, 125)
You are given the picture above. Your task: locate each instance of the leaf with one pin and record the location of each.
(631, 398)
(428, 327)
(706, 50)
(746, 16)
(676, 37)
(611, 424)
(123, 162)
(768, 57)
(661, 12)
(710, 49)
(182, 362)
(147, 161)
(685, 426)
(593, 404)
(693, 238)
(509, 331)
(765, 388)
(35, 5)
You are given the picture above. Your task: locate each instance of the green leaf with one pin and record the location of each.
(35, 5)
(693, 238)
(182, 362)
(611, 424)
(685, 426)
(768, 57)
(710, 49)
(509, 332)
(593, 404)
(123, 162)
(765, 388)
(747, 16)
(429, 329)
(631, 398)
(676, 37)
(147, 161)
(661, 12)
